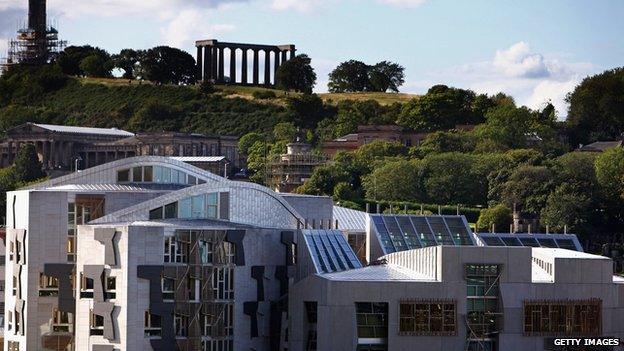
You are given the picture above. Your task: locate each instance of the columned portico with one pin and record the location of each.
(211, 62)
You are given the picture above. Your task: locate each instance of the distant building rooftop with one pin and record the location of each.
(199, 158)
(600, 146)
(84, 130)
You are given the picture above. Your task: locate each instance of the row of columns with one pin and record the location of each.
(211, 63)
(52, 154)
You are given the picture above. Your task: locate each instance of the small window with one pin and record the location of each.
(148, 174)
(123, 176)
(111, 287)
(156, 213)
(96, 324)
(152, 325)
(191, 180)
(171, 210)
(168, 288)
(137, 174)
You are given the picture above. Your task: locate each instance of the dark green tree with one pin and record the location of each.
(27, 165)
(296, 74)
(497, 217)
(350, 76)
(97, 66)
(597, 108)
(442, 108)
(395, 181)
(167, 65)
(70, 59)
(156, 116)
(307, 110)
(386, 76)
(528, 189)
(127, 60)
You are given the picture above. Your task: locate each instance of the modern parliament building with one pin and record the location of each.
(151, 253)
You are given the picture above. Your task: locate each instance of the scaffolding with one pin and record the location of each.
(37, 43)
(484, 317)
(289, 171)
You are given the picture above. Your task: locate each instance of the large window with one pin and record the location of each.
(96, 324)
(62, 322)
(427, 318)
(483, 311)
(155, 174)
(581, 317)
(223, 283)
(372, 325)
(204, 206)
(180, 325)
(175, 251)
(48, 286)
(168, 288)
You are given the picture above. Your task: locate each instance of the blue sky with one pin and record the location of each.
(534, 50)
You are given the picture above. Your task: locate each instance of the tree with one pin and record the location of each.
(442, 108)
(445, 141)
(567, 207)
(285, 131)
(395, 181)
(528, 188)
(350, 76)
(167, 65)
(296, 74)
(248, 140)
(610, 173)
(27, 165)
(507, 126)
(386, 76)
(497, 217)
(307, 110)
(71, 58)
(597, 108)
(96, 65)
(449, 179)
(127, 60)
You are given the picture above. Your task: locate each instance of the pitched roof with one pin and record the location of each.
(199, 158)
(349, 219)
(84, 130)
(600, 146)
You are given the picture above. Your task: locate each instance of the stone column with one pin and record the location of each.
(292, 53)
(256, 68)
(244, 67)
(215, 60)
(207, 63)
(53, 159)
(221, 66)
(200, 59)
(10, 152)
(267, 67)
(46, 154)
(233, 65)
(276, 65)
(284, 56)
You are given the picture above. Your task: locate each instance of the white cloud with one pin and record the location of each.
(404, 3)
(532, 78)
(298, 5)
(188, 26)
(519, 61)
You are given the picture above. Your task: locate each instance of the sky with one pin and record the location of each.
(535, 50)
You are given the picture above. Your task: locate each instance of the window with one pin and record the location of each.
(168, 288)
(580, 317)
(9, 320)
(123, 176)
(171, 210)
(205, 252)
(15, 283)
(372, 323)
(71, 232)
(218, 345)
(111, 287)
(62, 322)
(198, 209)
(2, 260)
(17, 321)
(175, 251)
(86, 287)
(212, 201)
(11, 250)
(48, 286)
(1, 289)
(153, 325)
(311, 308)
(193, 287)
(482, 304)
(223, 283)
(13, 345)
(427, 318)
(96, 324)
(148, 174)
(137, 174)
(156, 213)
(180, 325)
